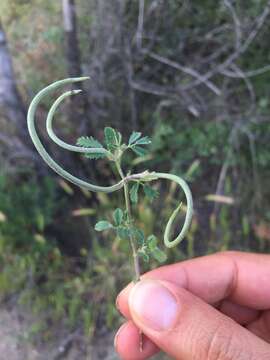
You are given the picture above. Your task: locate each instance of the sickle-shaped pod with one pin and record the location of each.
(42, 151)
(172, 243)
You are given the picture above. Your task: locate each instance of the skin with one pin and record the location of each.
(225, 302)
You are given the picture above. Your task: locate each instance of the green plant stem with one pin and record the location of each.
(129, 222)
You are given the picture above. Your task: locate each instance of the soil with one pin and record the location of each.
(15, 343)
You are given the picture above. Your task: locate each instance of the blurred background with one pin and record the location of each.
(192, 75)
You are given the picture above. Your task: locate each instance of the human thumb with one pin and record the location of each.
(186, 328)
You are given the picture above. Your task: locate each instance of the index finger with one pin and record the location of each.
(242, 278)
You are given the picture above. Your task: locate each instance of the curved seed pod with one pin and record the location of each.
(42, 151)
(171, 243)
(60, 142)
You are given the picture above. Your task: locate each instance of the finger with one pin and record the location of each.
(241, 314)
(187, 328)
(230, 275)
(127, 343)
(261, 326)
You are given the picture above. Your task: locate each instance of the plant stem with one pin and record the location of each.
(129, 223)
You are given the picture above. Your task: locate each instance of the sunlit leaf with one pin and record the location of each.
(143, 141)
(151, 242)
(103, 225)
(133, 137)
(159, 255)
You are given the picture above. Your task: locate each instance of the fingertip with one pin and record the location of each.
(127, 343)
(122, 301)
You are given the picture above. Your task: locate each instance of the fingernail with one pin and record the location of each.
(117, 303)
(118, 333)
(154, 305)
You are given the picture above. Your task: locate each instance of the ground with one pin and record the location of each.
(16, 345)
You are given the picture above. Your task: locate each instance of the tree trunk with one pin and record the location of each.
(72, 47)
(80, 104)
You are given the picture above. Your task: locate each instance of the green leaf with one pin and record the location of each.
(151, 242)
(139, 150)
(134, 192)
(90, 142)
(139, 236)
(103, 225)
(150, 193)
(144, 255)
(144, 141)
(118, 216)
(133, 137)
(159, 255)
(123, 233)
(112, 138)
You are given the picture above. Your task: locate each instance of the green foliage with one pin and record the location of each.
(90, 142)
(123, 223)
(24, 225)
(150, 193)
(149, 248)
(112, 138)
(138, 150)
(134, 192)
(136, 142)
(43, 278)
(103, 225)
(118, 216)
(133, 137)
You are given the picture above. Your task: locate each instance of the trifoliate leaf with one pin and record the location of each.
(139, 150)
(159, 255)
(112, 138)
(150, 193)
(134, 192)
(133, 137)
(90, 142)
(103, 225)
(143, 141)
(123, 233)
(118, 216)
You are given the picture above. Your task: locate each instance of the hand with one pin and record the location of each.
(210, 308)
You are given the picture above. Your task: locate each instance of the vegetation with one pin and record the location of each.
(114, 151)
(192, 75)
